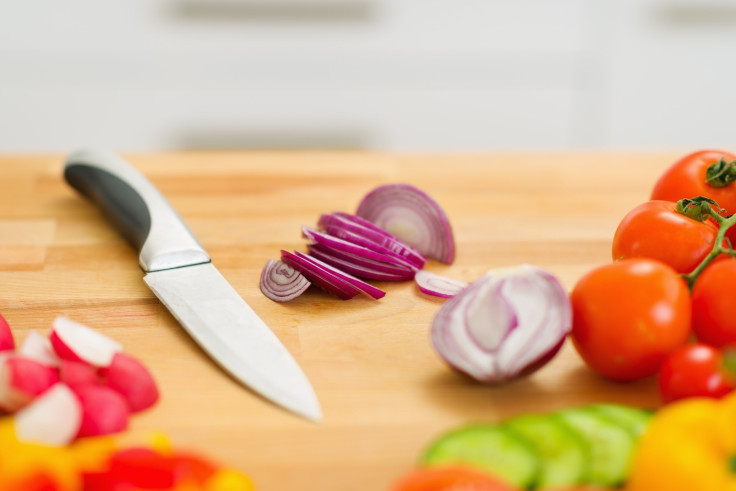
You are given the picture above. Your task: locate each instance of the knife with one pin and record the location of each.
(180, 273)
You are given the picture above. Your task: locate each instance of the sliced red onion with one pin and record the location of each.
(413, 216)
(335, 224)
(281, 283)
(400, 272)
(438, 286)
(361, 285)
(505, 325)
(327, 281)
(355, 269)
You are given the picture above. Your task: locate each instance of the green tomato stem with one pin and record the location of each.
(724, 223)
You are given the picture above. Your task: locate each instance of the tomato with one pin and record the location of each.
(655, 229)
(628, 316)
(449, 479)
(714, 321)
(686, 179)
(695, 370)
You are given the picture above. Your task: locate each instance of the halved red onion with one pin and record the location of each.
(281, 283)
(504, 325)
(361, 285)
(335, 224)
(438, 286)
(327, 281)
(413, 216)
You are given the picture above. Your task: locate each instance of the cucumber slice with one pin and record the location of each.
(561, 452)
(486, 447)
(609, 446)
(632, 419)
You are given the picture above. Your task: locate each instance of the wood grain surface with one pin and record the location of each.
(384, 391)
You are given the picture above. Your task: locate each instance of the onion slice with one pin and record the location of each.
(413, 216)
(281, 283)
(329, 282)
(357, 269)
(401, 272)
(361, 285)
(438, 286)
(504, 325)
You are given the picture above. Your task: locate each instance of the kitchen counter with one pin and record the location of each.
(384, 391)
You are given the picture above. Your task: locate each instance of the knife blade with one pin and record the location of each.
(180, 273)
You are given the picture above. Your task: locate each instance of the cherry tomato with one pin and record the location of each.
(628, 316)
(695, 370)
(714, 321)
(655, 229)
(449, 479)
(686, 179)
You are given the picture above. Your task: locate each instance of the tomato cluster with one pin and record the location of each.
(670, 281)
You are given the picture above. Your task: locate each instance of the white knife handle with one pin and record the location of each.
(136, 208)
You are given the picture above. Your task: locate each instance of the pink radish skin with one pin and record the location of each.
(36, 347)
(53, 418)
(6, 336)
(77, 373)
(104, 410)
(77, 342)
(133, 381)
(21, 380)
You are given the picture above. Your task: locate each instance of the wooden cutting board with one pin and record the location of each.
(384, 391)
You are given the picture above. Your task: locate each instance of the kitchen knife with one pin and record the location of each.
(179, 271)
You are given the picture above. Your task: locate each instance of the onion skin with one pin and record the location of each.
(503, 326)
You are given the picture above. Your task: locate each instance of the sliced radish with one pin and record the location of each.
(104, 410)
(133, 381)
(21, 380)
(37, 347)
(77, 342)
(53, 418)
(78, 373)
(6, 335)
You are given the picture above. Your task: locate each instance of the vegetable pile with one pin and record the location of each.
(75, 383)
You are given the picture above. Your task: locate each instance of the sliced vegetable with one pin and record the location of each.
(357, 269)
(394, 272)
(633, 419)
(329, 282)
(131, 379)
(53, 418)
(506, 324)
(489, 448)
(37, 347)
(23, 379)
(78, 373)
(77, 342)
(438, 286)
(281, 283)
(361, 285)
(6, 335)
(450, 478)
(104, 411)
(413, 216)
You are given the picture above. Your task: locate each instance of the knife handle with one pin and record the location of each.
(136, 208)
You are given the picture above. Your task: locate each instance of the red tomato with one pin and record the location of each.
(655, 230)
(686, 179)
(628, 316)
(712, 302)
(695, 370)
(449, 479)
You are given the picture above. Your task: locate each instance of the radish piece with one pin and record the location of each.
(77, 342)
(133, 381)
(53, 418)
(104, 410)
(21, 380)
(77, 373)
(6, 335)
(438, 286)
(37, 347)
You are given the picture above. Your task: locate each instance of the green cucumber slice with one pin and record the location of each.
(632, 419)
(486, 447)
(561, 452)
(608, 445)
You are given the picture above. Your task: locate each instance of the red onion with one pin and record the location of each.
(281, 283)
(413, 216)
(361, 267)
(438, 286)
(504, 325)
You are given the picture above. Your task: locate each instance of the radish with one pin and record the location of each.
(133, 381)
(77, 342)
(104, 410)
(77, 373)
(22, 379)
(37, 347)
(53, 418)
(6, 336)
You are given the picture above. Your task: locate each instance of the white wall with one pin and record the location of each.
(377, 74)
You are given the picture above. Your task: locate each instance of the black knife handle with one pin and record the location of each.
(136, 208)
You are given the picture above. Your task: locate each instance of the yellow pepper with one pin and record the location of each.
(689, 446)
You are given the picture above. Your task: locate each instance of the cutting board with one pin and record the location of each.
(384, 391)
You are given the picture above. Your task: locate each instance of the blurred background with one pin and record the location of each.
(393, 75)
